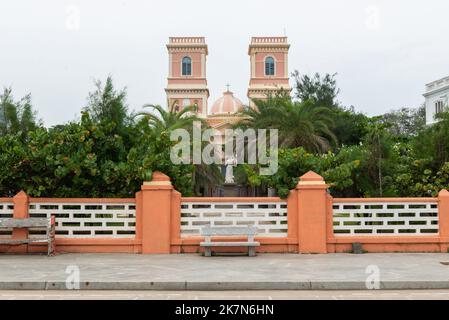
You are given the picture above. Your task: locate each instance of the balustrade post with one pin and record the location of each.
(312, 213)
(21, 211)
(443, 219)
(156, 211)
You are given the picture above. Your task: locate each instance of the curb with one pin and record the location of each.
(216, 286)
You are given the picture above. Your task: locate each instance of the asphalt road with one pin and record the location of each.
(224, 295)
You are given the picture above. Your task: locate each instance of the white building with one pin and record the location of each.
(437, 98)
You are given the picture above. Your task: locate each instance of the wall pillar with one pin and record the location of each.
(312, 213)
(21, 208)
(292, 216)
(156, 210)
(443, 218)
(175, 220)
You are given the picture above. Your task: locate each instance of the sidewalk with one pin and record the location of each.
(194, 272)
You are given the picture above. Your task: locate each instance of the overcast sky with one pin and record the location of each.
(383, 51)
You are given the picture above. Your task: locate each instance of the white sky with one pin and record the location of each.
(384, 51)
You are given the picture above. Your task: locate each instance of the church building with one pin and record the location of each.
(187, 80)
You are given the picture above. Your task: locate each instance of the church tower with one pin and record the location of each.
(269, 66)
(187, 84)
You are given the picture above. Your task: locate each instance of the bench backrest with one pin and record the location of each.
(25, 223)
(228, 231)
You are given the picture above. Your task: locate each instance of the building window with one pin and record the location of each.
(438, 106)
(269, 66)
(175, 106)
(186, 66)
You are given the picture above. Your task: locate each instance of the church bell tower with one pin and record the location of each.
(269, 67)
(186, 82)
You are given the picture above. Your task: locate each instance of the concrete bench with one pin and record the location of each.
(47, 223)
(209, 232)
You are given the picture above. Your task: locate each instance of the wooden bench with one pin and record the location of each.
(47, 223)
(208, 232)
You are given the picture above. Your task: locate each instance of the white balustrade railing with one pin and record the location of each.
(6, 211)
(87, 220)
(385, 218)
(187, 40)
(258, 40)
(270, 217)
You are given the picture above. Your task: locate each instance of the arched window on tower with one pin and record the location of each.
(269, 66)
(186, 66)
(175, 106)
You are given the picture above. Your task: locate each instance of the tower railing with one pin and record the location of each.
(187, 40)
(266, 40)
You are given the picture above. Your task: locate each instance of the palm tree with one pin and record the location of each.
(166, 121)
(300, 124)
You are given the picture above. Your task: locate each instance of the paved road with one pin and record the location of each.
(224, 295)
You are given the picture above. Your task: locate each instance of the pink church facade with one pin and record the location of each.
(187, 78)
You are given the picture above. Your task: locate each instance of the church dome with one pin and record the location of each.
(228, 104)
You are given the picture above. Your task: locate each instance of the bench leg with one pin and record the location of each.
(207, 252)
(251, 251)
(51, 238)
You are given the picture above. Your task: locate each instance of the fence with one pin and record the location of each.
(6, 211)
(269, 215)
(384, 217)
(160, 220)
(93, 218)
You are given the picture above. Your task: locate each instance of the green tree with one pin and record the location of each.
(106, 104)
(298, 123)
(378, 144)
(162, 122)
(405, 123)
(16, 116)
(338, 171)
(322, 90)
(433, 142)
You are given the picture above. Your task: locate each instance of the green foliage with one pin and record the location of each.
(87, 159)
(162, 123)
(106, 104)
(108, 154)
(433, 142)
(321, 89)
(298, 123)
(354, 170)
(16, 117)
(293, 163)
(405, 122)
(349, 127)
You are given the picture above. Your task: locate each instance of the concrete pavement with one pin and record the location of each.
(195, 272)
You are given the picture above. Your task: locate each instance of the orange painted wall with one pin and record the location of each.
(309, 212)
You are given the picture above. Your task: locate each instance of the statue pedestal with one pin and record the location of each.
(230, 190)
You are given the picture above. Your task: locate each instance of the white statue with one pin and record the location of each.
(230, 163)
